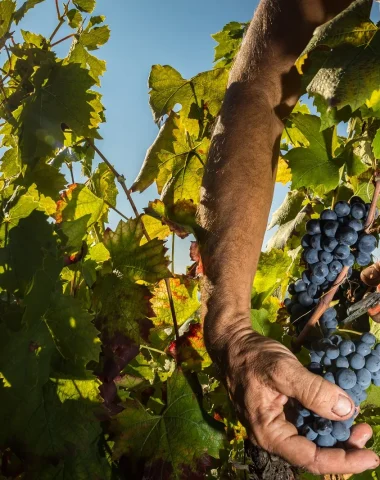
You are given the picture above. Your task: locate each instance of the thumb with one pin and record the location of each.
(317, 394)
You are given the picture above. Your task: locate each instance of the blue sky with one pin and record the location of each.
(145, 33)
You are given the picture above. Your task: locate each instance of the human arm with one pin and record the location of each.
(236, 197)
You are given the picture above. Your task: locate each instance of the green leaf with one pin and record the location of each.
(33, 38)
(63, 99)
(272, 272)
(74, 17)
(262, 325)
(121, 306)
(185, 298)
(71, 328)
(85, 5)
(75, 231)
(229, 40)
(102, 184)
(7, 7)
(180, 436)
(169, 88)
(376, 145)
(96, 67)
(94, 38)
(48, 179)
(77, 202)
(314, 166)
(136, 262)
(25, 7)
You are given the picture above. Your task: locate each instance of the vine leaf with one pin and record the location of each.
(122, 306)
(96, 66)
(229, 40)
(272, 272)
(71, 327)
(190, 349)
(136, 262)
(261, 324)
(7, 7)
(288, 209)
(169, 88)
(376, 145)
(63, 97)
(177, 438)
(314, 166)
(185, 297)
(77, 201)
(284, 174)
(85, 5)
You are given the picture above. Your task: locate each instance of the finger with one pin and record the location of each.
(313, 392)
(281, 438)
(360, 434)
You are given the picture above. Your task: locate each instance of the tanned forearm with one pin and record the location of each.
(238, 184)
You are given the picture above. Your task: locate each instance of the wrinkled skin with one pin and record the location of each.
(237, 191)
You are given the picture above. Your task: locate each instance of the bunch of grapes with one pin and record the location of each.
(350, 365)
(332, 242)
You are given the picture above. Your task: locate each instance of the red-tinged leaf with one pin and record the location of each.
(190, 350)
(181, 436)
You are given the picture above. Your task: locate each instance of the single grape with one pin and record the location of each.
(328, 244)
(357, 389)
(363, 348)
(323, 426)
(317, 280)
(375, 375)
(346, 347)
(368, 338)
(326, 361)
(305, 242)
(304, 411)
(325, 440)
(342, 209)
(332, 352)
(299, 421)
(329, 314)
(345, 378)
(291, 290)
(328, 215)
(314, 357)
(329, 376)
(335, 267)
(330, 324)
(313, 227)
(367, 243)
(315, 242)
(306, 277)
(310, 256)
(312, 290)
(362, 397)
(325, 257)
(347, 236)
(377, 349)
(330, 227)
(376, 382)
(357, 361)
(308, 432)
(331, 277)
(320, 269)
(340, 431)
(342, 362)
(341, 252)
(363, 259)
(358, 211)
(349, 422)
(349, 261)
(304, 299)
(364, 378)
(357, 225)
(300, 286)
(372, 363)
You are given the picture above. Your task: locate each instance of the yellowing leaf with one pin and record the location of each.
(284, 174)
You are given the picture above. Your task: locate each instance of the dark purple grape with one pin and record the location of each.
(335, 267)
(347, 236)
(357, 225)
(299, 286)
(305, 242)
(315, 242)
(342, 209)
(313, 227)
(328, 244)
(342, 251)
(330, 228)
(358, 211)
(310, 256)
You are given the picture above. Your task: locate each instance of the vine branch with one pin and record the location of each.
(322, 306)
(372, 210)
(121, 181)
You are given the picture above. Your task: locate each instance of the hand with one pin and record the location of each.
(261, 375)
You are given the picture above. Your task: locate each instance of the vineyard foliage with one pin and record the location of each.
(93, 382)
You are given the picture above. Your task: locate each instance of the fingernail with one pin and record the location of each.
(343, 406)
